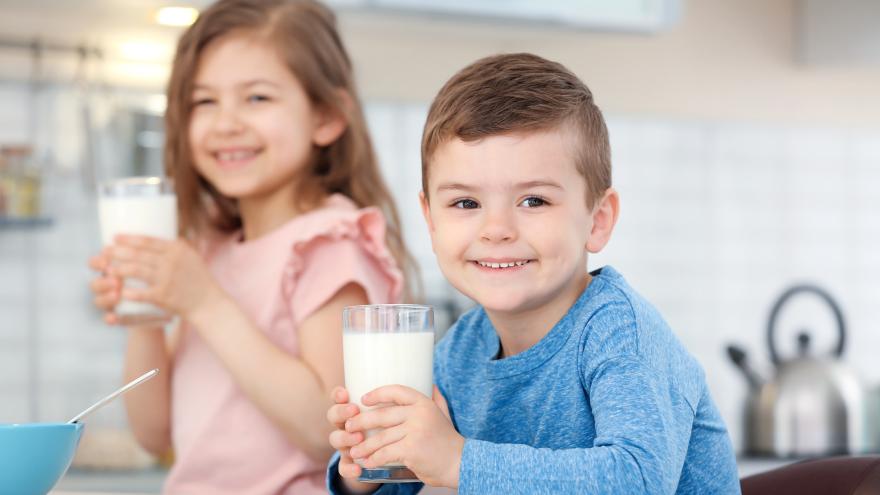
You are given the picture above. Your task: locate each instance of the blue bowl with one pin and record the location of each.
(34, 456)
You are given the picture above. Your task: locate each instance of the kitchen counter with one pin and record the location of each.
(106, 482)
(149, 482)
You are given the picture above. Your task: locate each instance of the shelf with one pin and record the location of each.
(11, 223)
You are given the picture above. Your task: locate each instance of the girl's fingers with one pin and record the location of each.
(152, 244)
(380, 439)
(106, 301)
(384, 417)
(140, 256)
(101, 285)
(134, 270)
(111, 319)
(144, 295)
(97, 263)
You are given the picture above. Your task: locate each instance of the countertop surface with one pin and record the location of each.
(149, 481)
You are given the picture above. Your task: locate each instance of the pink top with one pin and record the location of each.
(223, 443)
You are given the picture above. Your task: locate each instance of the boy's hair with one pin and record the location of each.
(306, 39)
(520, 92)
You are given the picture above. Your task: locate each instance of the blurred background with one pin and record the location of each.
(746, 148)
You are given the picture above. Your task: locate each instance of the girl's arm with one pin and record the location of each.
(293, 392)
(149, 406)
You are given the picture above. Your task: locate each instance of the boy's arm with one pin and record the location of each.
(642, 435)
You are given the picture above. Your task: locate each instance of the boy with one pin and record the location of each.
(561, 381)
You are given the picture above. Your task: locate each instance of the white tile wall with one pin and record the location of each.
(717, 219)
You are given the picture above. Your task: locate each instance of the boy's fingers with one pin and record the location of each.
(392, 394)
(377, 441)
(347, 467)
(441, 402)
(388, 454)
(341, 439)
(384, 417)
(339, 395)
(340, 413)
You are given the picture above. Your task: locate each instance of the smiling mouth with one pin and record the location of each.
(234, 156)
(501, 266)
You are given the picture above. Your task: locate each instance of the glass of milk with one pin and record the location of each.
(387, 344)
(138, 206)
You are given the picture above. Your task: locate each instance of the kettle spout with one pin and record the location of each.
(740, 360)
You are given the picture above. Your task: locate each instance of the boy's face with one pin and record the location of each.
(509, 221)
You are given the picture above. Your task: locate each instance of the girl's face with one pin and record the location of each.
(252, 126)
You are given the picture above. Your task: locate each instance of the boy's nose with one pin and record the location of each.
(498, 227)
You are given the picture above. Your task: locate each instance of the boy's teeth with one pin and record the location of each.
(502, 265)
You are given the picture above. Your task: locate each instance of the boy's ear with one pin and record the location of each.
(331, 122)
(426, 211)
(604, 218)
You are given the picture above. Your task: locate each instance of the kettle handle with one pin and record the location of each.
(774, 313)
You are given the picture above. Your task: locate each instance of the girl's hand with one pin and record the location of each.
(176, 276)
(105, 288)
(416, 432)
(340, 439)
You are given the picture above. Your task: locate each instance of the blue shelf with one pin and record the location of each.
(24, 222)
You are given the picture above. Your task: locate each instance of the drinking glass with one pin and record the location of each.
(138, 206)
(386, 344)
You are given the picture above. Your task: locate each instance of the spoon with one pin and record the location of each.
(125, 388)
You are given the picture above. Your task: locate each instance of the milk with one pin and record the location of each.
(375, 359)
(152, 215)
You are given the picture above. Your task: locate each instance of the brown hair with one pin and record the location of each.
(305, 36)
(520, 92)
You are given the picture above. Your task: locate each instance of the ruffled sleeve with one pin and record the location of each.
(340, 247)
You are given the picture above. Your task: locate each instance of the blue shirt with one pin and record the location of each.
(609, 401)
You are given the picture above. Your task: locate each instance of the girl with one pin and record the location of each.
(281, 209)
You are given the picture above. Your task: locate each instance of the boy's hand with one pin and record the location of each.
(415, 431)
(177, 278)
(340, 439)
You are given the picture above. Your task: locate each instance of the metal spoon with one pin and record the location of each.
(128, 386)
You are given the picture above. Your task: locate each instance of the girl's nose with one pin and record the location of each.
(227, 120)
(498, 227)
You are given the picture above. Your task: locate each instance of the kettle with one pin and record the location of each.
(813, 405)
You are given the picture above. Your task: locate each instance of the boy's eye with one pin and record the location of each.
(466, 204)
(533, 202)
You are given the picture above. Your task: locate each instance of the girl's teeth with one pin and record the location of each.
(235, 155)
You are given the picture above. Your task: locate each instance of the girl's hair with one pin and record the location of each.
(304, 34)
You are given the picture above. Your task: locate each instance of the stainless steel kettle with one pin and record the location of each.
(813, 405)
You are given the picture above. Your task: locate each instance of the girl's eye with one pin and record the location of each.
(533, 202)
(466, 204)
(257, 98)
(198, 102)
